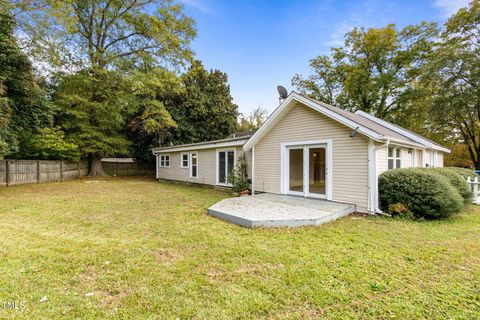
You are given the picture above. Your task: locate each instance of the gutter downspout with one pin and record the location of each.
(156, 164)
(374, 179)
(253, 170)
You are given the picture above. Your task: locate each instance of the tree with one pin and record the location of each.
(24, 107)
(93, 123)
(205, 110)
(101, 34)
(106, 40)
(454, 71)
(149, 122)
(253, 120)
(374, 71)
(49, 144)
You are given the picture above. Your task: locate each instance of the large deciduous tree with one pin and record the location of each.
(24, 108)
(106, 40)
(205, 109)
(253, 120)
(374, 71)
(454, 72)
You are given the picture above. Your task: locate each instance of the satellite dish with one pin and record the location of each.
(282, 92)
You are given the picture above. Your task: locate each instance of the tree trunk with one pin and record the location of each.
(96, 169)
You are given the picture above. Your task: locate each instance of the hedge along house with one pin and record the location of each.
(309, 149)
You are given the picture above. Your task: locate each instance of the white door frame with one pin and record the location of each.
(287, 173)
(217, 157)
(284, 166)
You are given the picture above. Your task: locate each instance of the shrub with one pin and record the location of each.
(426, 193)
(465, 173)
(457, 181)
(399, 210)
(239, 176)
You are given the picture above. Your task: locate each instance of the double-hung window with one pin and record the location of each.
(185, 160)
(394, 158)
(164, 160)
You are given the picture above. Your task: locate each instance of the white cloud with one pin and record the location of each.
(337, 37)
(449, 7)
(197, 4)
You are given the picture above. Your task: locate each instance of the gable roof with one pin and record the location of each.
(370, 126)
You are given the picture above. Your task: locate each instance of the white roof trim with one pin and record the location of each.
(200, 146)
(273, 119)
(413, 136)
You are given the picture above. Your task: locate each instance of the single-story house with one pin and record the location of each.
(306, 148)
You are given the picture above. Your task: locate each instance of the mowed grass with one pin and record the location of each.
(138, 248)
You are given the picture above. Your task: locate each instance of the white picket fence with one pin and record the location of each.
(474, 187)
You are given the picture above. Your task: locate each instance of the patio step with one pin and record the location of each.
(271, 210)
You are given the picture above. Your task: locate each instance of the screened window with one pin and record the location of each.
(185, 160)
(394, 158)
(194, 165)
(165, 160)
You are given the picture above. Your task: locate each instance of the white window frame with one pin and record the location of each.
(188, 160)
(191, 164)
(226, 184)
(395, 157)
(163, 160)
(329, 165)
(433, 158)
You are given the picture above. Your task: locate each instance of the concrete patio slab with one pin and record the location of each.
(273, 210)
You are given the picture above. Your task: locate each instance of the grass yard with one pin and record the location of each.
(138, 248)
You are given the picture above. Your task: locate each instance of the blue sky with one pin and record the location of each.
(261, 44)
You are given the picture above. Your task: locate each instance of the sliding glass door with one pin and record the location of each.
(295, 175)
(225, 165)
(316, 171)
(307, 170)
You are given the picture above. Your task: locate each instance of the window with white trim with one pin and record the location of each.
(394, 158)
(185, 159)
(225, 165)
(194, 165)
(164, 160)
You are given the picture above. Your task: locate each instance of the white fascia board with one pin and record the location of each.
(317, 107)
(415, 137)
(402, 143)
(194, 147)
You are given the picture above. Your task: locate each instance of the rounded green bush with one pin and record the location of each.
(457, 181)
(464, 172)
(426, 193)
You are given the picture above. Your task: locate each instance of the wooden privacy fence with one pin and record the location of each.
(474, 187)
(36, 171)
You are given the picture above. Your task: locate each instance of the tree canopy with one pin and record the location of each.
(205, 109)
(24, 107)
(453, 70)
(374, 71)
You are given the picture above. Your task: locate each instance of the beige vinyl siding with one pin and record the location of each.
(439, 159)
(206, 166)
(381, 159)
(350, 155)
(426, 158)
(249, 159)
(406, 158)
(419, 163)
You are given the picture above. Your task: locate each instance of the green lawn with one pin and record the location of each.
(138, 248)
